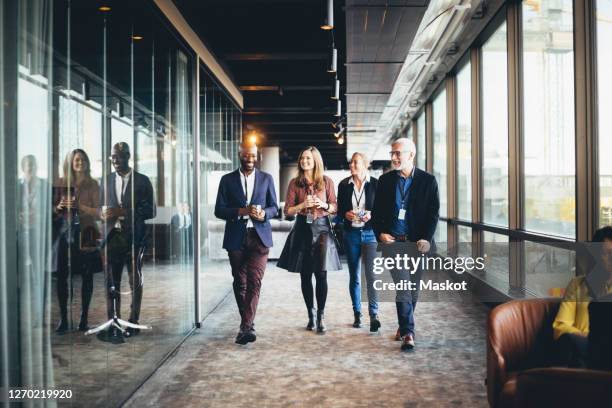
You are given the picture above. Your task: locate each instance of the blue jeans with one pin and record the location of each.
(353, 239)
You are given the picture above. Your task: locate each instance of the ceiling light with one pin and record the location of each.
(339, 109)
(333, 63)
(336, 93)
(341, 141)
(328, 20)
(137, 37)
(253, 138)
(104, 9)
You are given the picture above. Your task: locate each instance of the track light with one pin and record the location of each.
(339, 109)
(336, 93)
(328, 20)
(341, 140)
(333, 63)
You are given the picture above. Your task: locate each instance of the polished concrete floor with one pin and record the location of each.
(289, 366)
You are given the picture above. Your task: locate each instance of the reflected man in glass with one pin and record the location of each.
(127, 202)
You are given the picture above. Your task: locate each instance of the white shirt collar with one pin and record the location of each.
(366, 180)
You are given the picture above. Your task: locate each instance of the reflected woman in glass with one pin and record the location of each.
(77, 197)
(310, 248)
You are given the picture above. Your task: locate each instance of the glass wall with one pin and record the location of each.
(104, 186)
(220, 129)
(421, 142)
(494, 135)
(464, 143)
(548, 116)
(604, 95)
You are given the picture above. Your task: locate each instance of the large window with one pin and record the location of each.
(604, 93)
(494, 115)
(421, 142)
(548, 113)
(464, 143)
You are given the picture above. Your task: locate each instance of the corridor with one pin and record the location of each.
(288, 366)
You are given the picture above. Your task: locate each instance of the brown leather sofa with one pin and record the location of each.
(520, 359)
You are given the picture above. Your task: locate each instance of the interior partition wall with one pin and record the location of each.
(78, 78)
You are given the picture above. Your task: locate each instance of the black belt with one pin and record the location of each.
(401, 238)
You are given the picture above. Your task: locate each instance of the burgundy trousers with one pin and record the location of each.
(248, 265)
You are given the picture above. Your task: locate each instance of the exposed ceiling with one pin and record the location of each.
(278, 56)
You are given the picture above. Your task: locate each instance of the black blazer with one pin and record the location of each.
(345, 199)
(142, 209)
(422, 208)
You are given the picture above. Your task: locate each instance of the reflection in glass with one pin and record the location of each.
(548, 84)
(548, 270)
(495, 128)
(604, 94)
(464, 143)
(496, 250)
(464, 241)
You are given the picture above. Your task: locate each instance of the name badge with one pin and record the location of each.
(402, 214)
(309, 218)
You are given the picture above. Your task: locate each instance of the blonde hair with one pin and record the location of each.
(317, 172)
(366, 161)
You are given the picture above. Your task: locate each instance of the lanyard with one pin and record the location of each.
(405, 191)
(358, 199)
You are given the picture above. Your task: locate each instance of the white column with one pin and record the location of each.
(270, 163)
(288, 171)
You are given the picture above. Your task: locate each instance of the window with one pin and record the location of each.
(495, 129)
(604, 82)
(464, 143)
(439, 147)
(548, 113)
(421, 143)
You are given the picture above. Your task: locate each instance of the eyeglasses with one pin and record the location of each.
(398, 153)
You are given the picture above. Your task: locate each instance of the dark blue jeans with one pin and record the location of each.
(354, 238)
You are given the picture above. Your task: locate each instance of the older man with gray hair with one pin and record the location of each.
(406, 210)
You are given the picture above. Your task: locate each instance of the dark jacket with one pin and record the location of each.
(142, 209)
(422, 208)
(231, 197)
(345, 199)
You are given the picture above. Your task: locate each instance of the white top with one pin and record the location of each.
(248, 192)
(359, 199)
(121, 183)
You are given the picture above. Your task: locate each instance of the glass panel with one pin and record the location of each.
(439, 146)
(495, 128)
(496, 250)
(548, 270)
(464, 241)
(464, 143)
(409, 131)
(548, 85)
(604, 93)
(421, 143)
(441, 236)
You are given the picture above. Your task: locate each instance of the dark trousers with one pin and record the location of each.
(572, 350)
(114, 269)
(405, 300)
(70, 262)
(248, 265)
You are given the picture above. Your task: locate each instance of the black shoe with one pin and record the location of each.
(311, 323)
(321, 328)
(374, 324)
(245, 337)
(62, 326)
(357, 322)
(83, 326)
(407, 342)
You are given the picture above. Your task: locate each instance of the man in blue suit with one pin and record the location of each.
(246, 201)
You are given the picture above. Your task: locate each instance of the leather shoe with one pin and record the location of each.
(407, 342)
(374, 324)
(357, 322)
(245, 337)
(311, 323)
(321, 328)
(62, 327)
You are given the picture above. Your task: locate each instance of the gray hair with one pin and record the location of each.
(365, 159)
(405, 142)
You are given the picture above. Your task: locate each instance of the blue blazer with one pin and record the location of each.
(231, 197)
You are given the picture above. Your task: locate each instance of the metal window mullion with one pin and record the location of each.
(476, 126)
(451, 159)
(585, 89)
(195, 96)
(429, 137)
(515, 145)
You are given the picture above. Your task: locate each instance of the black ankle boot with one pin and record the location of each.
(62, 326)
(311, 324)
(357, 322)
(83, 324)
(321, 322)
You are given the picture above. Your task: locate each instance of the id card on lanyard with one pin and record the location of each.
(401, 215)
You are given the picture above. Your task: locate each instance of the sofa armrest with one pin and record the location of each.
(564, 387)
(519, 332)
